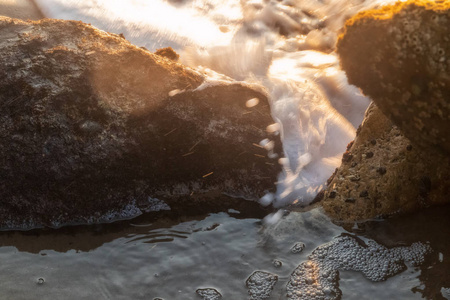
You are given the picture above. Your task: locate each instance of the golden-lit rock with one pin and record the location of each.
(400, 56)
(94, 128)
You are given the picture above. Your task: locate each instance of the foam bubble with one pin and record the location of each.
(273, 218)
(252, 102)
(273, 128)
(267, 199)
(319, 276)
(277, 263)
(209, 294)
(174, 92)
(260, 285)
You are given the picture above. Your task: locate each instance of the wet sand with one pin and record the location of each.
(21, 9)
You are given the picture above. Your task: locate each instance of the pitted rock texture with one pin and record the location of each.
(318, 278)
(400, 56)
(89, 124)
(383, 174)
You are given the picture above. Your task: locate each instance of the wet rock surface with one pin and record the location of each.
(318, 278)
(383, 174)
(404, 67)
(400, 159)
(90, 127)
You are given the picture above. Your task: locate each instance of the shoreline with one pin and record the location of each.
(21, 9)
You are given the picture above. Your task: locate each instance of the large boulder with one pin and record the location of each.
(94, 128)
(400, 56)
(382, 174)
(400, 159)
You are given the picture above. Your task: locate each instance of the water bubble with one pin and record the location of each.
(174, 92)
(277, 263)
(252, 102)
(284, 161)
(267, 199)
(304, 159)
(264, 142)
(275, 127)
(272, 219)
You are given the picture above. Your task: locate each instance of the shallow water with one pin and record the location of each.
(153, 257)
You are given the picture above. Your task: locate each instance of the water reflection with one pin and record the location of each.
(172, 257)
(85, 238)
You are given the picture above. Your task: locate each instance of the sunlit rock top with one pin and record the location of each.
(400, 56)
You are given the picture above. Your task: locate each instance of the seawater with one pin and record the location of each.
(171, 258)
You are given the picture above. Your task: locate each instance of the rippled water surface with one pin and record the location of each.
(165, 257)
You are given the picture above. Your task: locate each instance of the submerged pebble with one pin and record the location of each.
(318, 278)
(260, 285)
(298, 247)
(277, 263)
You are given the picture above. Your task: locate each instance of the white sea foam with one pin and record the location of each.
(283, 46)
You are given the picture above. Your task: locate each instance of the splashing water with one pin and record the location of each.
(284, 47)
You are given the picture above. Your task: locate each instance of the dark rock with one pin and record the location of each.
(364, 194)
(91, 125)
(381, 170)
(397, 180)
